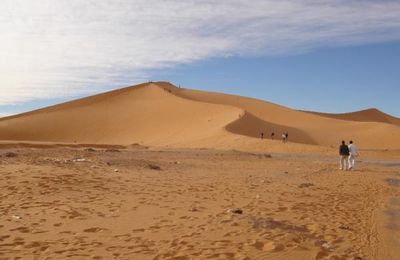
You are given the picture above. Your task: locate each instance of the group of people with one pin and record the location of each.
(285, 136)
(348, 154)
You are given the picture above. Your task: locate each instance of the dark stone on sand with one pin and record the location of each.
(236, 211)
(344, 227)
(10, 154)
(90, 150)
(306, 185)
(154, 167)
(111, 150)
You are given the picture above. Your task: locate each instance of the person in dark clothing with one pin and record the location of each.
(262, 135)
(272, 135)
(344, 155)
(287, 136)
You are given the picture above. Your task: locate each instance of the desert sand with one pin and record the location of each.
(159, 172)
(160, 114)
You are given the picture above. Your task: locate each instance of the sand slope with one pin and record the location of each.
(143, 114)
(303, 127)
(161, 114)
(367, 115)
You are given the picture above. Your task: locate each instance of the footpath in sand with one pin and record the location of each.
(76, 203)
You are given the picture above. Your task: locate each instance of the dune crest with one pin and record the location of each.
(160, 114)
(367, 115)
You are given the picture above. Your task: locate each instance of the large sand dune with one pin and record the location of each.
(161, 114)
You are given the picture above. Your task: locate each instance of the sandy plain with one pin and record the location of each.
(150, 203)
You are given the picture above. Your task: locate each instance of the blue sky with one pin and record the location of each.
(325, 55)
(330, 80)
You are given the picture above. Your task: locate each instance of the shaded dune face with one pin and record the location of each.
(161, 114)
(252, 126)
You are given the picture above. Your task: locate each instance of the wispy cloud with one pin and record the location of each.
(69, 47)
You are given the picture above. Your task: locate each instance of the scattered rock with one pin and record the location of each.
(80, 160)
(111, 150)
(267, 155)
(10, 154)
(326, 246)
(235, 211)
(306, 185)
(16, 217)
(344, 227)
(116, 170)
(193, 209)
(108, 163)
(177, 162)
(90, 149)
(154, 167)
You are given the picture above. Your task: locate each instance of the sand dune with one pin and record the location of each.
(161, 114)
(367, 115)
(143, 114)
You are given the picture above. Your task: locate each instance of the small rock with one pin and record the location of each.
(112, 150)
(16, 217)
(154, 167)
(193, 209)
(10, 154)
(90, 150)
(235, 211)
(267, 156)
(116, 170)
(258, 196)
(344, 227)
(306, 185)
(326, 246)
(79, 160)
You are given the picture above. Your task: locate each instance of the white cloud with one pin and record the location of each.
(59, 48)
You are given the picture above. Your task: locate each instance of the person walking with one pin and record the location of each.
(353, 153)
(262, 135)
(344, 155)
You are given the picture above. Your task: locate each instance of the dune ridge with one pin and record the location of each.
(159, 114)
(366, 115)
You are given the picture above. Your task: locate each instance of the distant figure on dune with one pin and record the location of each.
(344, 155)
(353, 153)
(285, 137)
(272, 135)
(262, 135)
